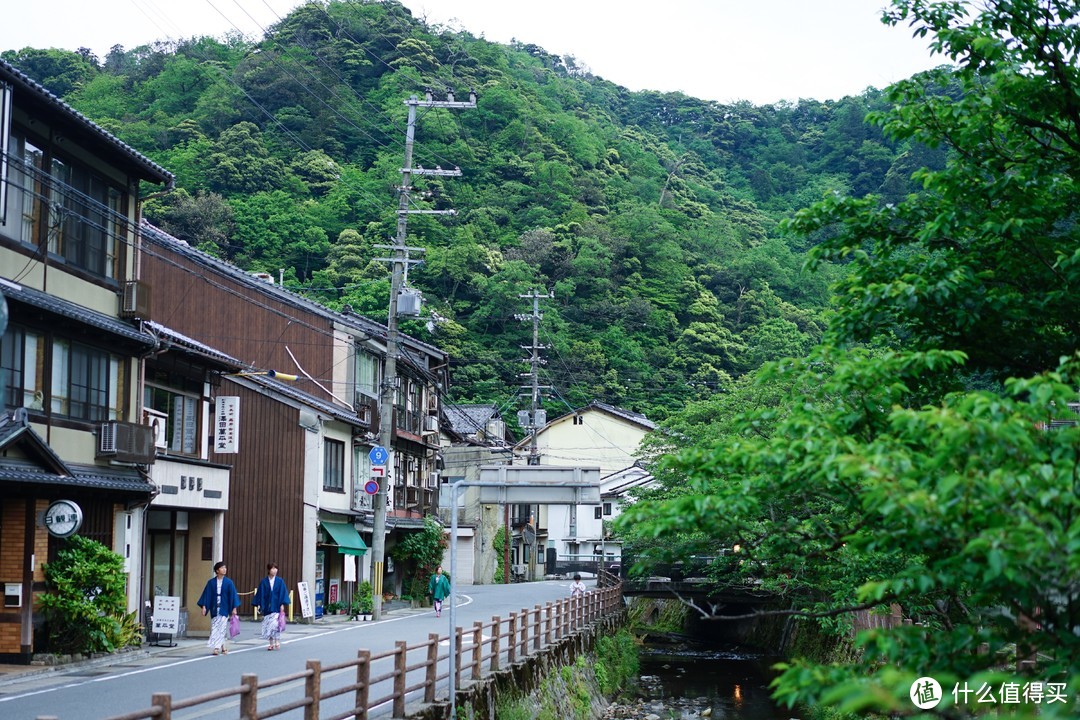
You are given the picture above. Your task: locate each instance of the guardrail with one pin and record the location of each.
(483, 649)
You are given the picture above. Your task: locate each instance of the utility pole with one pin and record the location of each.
(536, 417)
(535, 361)
(400, 262)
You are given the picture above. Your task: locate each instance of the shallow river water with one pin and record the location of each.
(682, 682)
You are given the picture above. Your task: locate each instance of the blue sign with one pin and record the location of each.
(371, 487)
(378, 455)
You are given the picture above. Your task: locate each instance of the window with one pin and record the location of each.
(85, 219)
(19, 214)
(596, 510)
(86, 382)
(579, 419)
(181, 410)
(22, 363)
(367, 373)
(334, 465)
(607, 508)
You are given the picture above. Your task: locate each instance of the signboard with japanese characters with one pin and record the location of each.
(227, 424)
(166, 614)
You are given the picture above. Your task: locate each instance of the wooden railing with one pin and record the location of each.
(407, 669)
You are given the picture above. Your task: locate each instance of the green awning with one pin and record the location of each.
(348, 540)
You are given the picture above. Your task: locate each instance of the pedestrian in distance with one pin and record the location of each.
(439, 589)
(577, 588)
(220, 601)
(271, 597)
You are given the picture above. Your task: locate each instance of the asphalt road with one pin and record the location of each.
(97, 691)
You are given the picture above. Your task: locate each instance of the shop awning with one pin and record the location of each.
(348, 540)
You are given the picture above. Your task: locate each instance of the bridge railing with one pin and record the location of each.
(405, 670)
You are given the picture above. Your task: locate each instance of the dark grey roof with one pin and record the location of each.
(149, 170)
(623, 413)
(193, 347)
(468, 419)
(358, 322)
(115, 478)
(288, 390)
(15, 429)
(65, 308)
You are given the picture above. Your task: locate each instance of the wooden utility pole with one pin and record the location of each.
(400, 261)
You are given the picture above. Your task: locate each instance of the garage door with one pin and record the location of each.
(465, 561)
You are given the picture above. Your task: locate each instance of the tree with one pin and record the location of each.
(899, 475)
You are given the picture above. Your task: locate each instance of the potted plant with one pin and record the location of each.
(363, 602)
(332, 608)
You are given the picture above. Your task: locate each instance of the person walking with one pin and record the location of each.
(577, 588)
(220, 600)
(439, 589)
(271, 597)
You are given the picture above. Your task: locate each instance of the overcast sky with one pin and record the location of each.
(724, 50)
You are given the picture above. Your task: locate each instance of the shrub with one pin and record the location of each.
(85, 603)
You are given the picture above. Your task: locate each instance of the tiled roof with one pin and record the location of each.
(468, 419)
(64, 308)
(336, 411)
(193, 347)
(149, 169)
(114, 479)
(623, 413)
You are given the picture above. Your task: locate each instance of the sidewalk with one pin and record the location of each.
(249, 635)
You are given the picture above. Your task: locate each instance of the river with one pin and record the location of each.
(684, 680)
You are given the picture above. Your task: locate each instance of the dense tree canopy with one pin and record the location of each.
(926, 452)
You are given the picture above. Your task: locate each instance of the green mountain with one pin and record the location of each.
(653, 218)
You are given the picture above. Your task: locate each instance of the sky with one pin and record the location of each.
(763, 51)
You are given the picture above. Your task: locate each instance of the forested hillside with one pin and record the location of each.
(653, 218)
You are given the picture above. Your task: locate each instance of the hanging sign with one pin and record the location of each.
(227, 424)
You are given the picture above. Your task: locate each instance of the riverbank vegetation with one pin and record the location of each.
(924, 453)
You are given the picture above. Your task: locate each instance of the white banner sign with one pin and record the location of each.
(305, 599)
(227, 424)
(166, 614)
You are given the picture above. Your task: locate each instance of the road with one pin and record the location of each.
(99, 692)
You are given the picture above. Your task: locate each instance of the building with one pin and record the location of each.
(597, 435)
(304, 442)
(74, 454)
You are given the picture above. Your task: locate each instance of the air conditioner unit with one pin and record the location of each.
(433, 480)
(431, 424)
(135, 300)
(157, 421)
(126, 442)
(408, 303)
(433, 404)
(518, 569)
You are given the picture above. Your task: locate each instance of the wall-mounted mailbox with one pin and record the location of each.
(12, 595)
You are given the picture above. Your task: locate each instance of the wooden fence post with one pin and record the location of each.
(312, 689)
(399, 678)
(477, 649)
(363, 683)
(432, 667)
(249, 699)
(536, 630)
(511, 641)
(457, 658)
(496, 633)
(524, 632)
(550, 622)
(163, 701)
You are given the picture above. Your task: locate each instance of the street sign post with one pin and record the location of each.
(378, 455)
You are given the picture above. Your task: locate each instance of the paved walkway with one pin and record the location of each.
(249, 635)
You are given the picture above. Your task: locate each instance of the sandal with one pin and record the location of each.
(224, 651)
(215, 652)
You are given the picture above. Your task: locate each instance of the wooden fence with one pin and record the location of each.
(390, 677)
